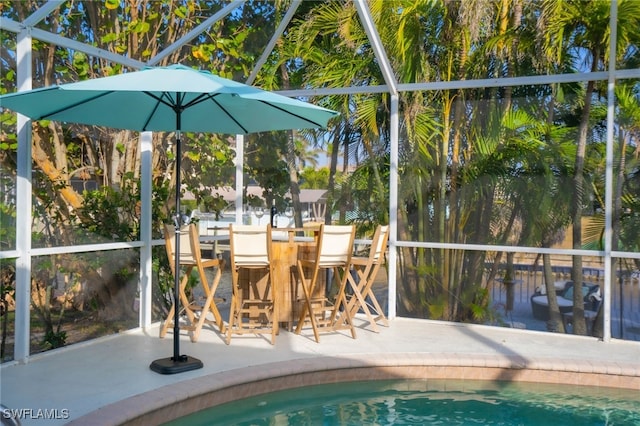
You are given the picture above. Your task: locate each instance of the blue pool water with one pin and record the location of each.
(432, 402)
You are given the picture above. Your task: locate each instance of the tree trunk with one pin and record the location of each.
(579, 325)
(555, 322)
(333, 165)
(290, 158)
(294, 185)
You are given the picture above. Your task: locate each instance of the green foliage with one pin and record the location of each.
(368, 204)
(112, 213)
(208, 164)
(7, 226)
(8, 141)
(476, 166)
(54, 339)
(215, 204)
(112, 4)
(312, 178)
(7, 292)
(490, 166)
(265, 164)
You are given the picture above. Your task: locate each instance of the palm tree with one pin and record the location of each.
(450, 187)
(585, 25)
(626, 197)
(333, 49)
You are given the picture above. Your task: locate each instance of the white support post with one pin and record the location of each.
(608, 192)
(146, 287)
(393, 207)
(24, 206)
(239, 176)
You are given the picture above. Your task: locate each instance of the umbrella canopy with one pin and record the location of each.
(173, 98)
(157, 99)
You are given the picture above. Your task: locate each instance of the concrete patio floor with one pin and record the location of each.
(108, 381)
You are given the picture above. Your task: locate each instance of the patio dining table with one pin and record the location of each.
(288, 245)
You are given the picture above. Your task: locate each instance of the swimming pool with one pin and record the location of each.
(429, 402)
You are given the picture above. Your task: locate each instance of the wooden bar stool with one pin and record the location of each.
(366, 269)
(253, 303)
(333, 252)
(196, 311)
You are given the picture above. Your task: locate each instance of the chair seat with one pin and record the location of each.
(260, 264)
(544, 301)
(331, 264)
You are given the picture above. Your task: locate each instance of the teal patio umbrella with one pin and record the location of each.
(173, 98)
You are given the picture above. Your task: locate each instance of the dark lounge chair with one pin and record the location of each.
(540, 301)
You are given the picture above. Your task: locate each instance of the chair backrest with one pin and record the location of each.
(194, 234)
(186, 248)
(379, 243)
(250, 245)
(335, 244)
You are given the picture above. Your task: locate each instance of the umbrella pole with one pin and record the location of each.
(177, 363)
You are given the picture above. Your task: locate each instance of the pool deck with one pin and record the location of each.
(107, 381)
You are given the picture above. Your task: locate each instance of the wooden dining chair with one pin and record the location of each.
(196, 310)
(366, 269)
(333, 252)
(253, 301)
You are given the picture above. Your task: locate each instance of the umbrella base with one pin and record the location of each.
(172, 366)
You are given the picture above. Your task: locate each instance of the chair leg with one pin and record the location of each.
(274, 324)
(230, 325)
(185, 306)
(307, 308)
(368, 292)
(258, 303)
(341, 300)
(362, 291)
(210, 304)
(376, 306)
(188, 306)
(274, 306)
(358, 301)
(233, 305)
(167, 322)
(349, 319)
(303, 316)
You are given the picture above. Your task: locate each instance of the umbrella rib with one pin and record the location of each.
(198, 99)
(227, 113)
(69, 107)
(160, 99)
(174, 104)
(155, 108)
(292, 113)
